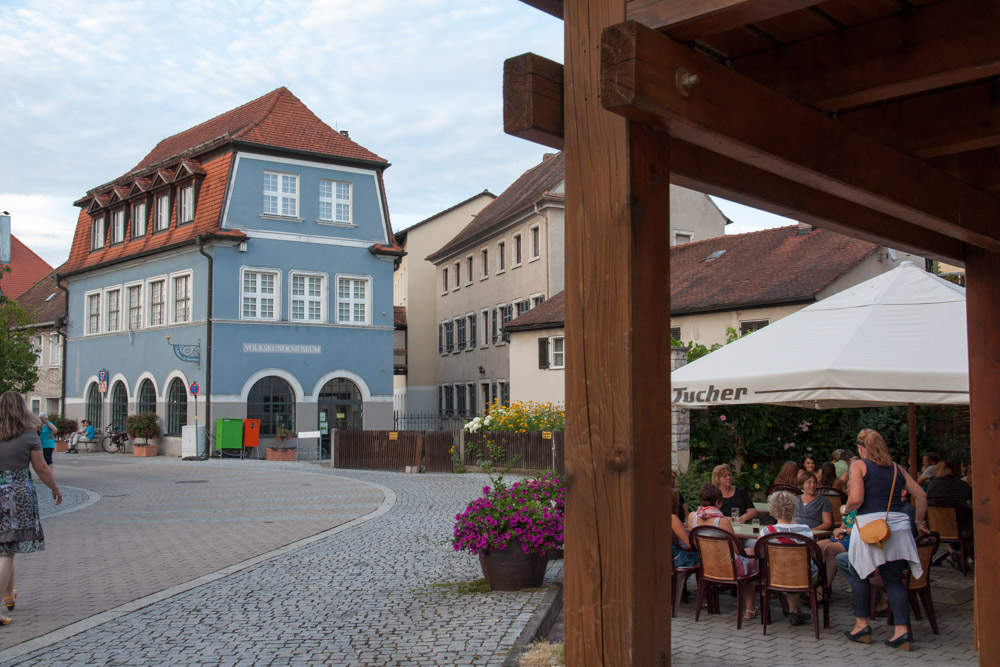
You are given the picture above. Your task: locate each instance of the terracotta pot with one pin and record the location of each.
(281, 454)
(144, 450)
(62, 445)
(512, 569)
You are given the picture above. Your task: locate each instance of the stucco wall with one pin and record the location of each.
(528, 382)
(693, 212)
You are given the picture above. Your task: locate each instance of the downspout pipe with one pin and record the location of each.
(63, 330)
(208, 348)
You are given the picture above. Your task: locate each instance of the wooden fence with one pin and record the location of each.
(395, 450)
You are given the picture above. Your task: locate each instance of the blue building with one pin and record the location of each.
(252, 255)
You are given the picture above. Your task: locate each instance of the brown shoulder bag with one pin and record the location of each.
(877, 531)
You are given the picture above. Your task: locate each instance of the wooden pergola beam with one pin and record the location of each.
(952, 121)
(653, 79)
(553, 7)
(979, 168)
(902, 54)
(533, 99)
(690, 19)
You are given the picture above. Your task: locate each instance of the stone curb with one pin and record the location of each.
(538, 625)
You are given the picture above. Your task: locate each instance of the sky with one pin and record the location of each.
(87, 89)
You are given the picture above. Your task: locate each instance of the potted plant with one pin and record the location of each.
(513, 530)
(146, 426)
(64, 429)
(281, 450)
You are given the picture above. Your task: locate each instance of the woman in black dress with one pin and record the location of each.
(20, 526)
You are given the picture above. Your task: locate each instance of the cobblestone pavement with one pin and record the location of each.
(175, 565)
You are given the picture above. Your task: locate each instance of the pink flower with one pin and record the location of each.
(722, 418)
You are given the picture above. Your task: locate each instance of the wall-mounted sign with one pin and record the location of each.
(546, 435)
(341, 415)
(282, 348)
(393, 435)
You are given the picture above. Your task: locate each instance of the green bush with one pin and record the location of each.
(63, 426)
(145, 425)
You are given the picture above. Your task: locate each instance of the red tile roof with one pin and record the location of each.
(551, 313)
(278, 119)
(768, 267)
(26, 269)
(205, 152)
(44, 300)
(771, 266)
(528, 189)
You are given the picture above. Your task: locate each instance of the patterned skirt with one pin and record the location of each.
(20, 524)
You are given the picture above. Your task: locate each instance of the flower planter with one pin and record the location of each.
(62, 445)
(144, 450)
(281, 454)
(512, 569)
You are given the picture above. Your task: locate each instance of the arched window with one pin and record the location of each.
(146, 398)
(272, 401)
(343, 404)
(177, 407)
(119, 405)
(94, 407)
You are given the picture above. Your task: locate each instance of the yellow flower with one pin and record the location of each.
(754, 466)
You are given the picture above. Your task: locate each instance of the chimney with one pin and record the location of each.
(4, 238)
(804, 229)
(346, 133)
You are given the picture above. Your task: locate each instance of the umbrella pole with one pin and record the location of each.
(911, 418)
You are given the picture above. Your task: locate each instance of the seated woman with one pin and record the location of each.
(681, 558)
(782, 507)
(789, 474)
(812, 510)
(710, 514)
(946, 489)
(809, 465)
(828, 477)
(733, 497)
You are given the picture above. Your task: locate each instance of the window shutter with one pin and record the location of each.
(494, 326)
(543, 352)
(441, 339)
(472, 331)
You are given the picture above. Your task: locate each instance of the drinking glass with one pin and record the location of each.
(736, 515)
(756, 525)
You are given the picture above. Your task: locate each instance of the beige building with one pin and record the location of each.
(507, 262)
(47, 305)
(415, 300)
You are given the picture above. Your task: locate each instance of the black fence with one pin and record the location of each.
(431, 421)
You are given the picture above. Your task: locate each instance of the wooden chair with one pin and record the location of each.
(791, 488)
(718, 550)
(681, 575)
(944, 522)
(916, 588)
(837, 500)
(785, 563)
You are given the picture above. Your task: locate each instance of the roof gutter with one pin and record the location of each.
(61, 327)
(208, 345)
(375, 164)
(739, 306)
(535, 327)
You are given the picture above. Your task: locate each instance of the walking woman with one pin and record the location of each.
(875, 491)
(20, 526)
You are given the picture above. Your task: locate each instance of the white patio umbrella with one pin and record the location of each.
(899, 338)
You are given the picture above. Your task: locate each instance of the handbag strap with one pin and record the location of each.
(895, 471)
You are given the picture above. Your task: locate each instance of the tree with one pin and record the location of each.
(17, 355)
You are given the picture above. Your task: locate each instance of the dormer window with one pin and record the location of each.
(97, 233)
(162, 218)
(281, 194)
(186, 212)
(118, 226)
(138, 220)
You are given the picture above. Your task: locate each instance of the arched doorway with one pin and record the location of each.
(341, 407)
(119, 406)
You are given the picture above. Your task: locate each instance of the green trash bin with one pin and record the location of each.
(229, 434)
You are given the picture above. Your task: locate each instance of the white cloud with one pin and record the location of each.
(44, 223)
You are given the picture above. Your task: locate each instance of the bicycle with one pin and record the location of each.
(113, 440)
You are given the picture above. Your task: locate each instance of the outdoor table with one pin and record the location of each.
(762, 508)
(745, 530)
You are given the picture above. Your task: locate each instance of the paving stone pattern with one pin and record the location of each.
(377, 593)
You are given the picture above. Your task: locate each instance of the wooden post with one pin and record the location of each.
(983, 315)
(618, 556)
(911, 422)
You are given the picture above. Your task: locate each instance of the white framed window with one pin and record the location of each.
(36, 347)
(749, 326)
(535, 243)
(118, 226)
(503, 392)
(516, 252)
(523, 306)
(335, 201)
(281, 194)
(460, 341)
(156, 291)
(557, 352)
(180, 292)
(133, 302)
(97, 233)
(354, 300)
(458, 276)
(113, 305)
(501, 257)
(259, 294)
(138, 220)
(444, 280)
(682, 237)
(93, 301)
(55, 349)
(307, 297)
(186, 212)
(537, 300)
(161, 220)
(471, 323)
(468, 270)
(506, 315)
(484, 256)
